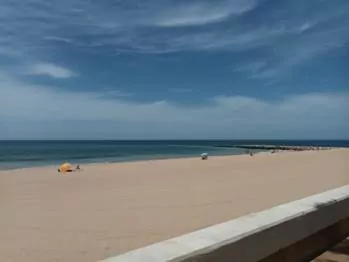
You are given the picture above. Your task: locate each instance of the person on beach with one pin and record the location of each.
(249, 152)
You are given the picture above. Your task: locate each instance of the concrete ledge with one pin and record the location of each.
(313, 246)
(286, 230)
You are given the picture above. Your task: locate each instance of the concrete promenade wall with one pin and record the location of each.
(296, 231)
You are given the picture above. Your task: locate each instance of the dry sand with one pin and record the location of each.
(107, 209)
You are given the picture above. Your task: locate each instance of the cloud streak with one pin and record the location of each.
(52, 70)
(202, 13)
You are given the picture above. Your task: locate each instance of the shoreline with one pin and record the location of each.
(256, 151)
(33, 154)
(102, 163)
(129, 160)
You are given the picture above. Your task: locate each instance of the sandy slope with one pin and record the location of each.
(107, 209)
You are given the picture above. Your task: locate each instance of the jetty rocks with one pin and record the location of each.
(280, 147)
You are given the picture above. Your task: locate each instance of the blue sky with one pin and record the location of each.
(77, 69)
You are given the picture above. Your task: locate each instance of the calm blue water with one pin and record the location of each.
(18, 154)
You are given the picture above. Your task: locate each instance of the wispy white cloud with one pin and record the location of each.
(193, 17)
(296, 51)
(301, 39)
(114, 93)
(291, 28)
(58, 39)
(180, 90)
(254, 66)
(51, 70)
(315, 115)
(202, 13)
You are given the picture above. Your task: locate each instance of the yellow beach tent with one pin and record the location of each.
(66, 167)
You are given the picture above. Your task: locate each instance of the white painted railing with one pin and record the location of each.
(321, 220)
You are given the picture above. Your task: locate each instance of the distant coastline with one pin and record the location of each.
(26, 153)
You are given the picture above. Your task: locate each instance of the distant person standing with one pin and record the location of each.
(249, 152)
(204, 156)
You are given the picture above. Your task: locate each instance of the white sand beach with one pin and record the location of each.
(108, 209)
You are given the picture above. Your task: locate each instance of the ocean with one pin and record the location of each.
(19, 154)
